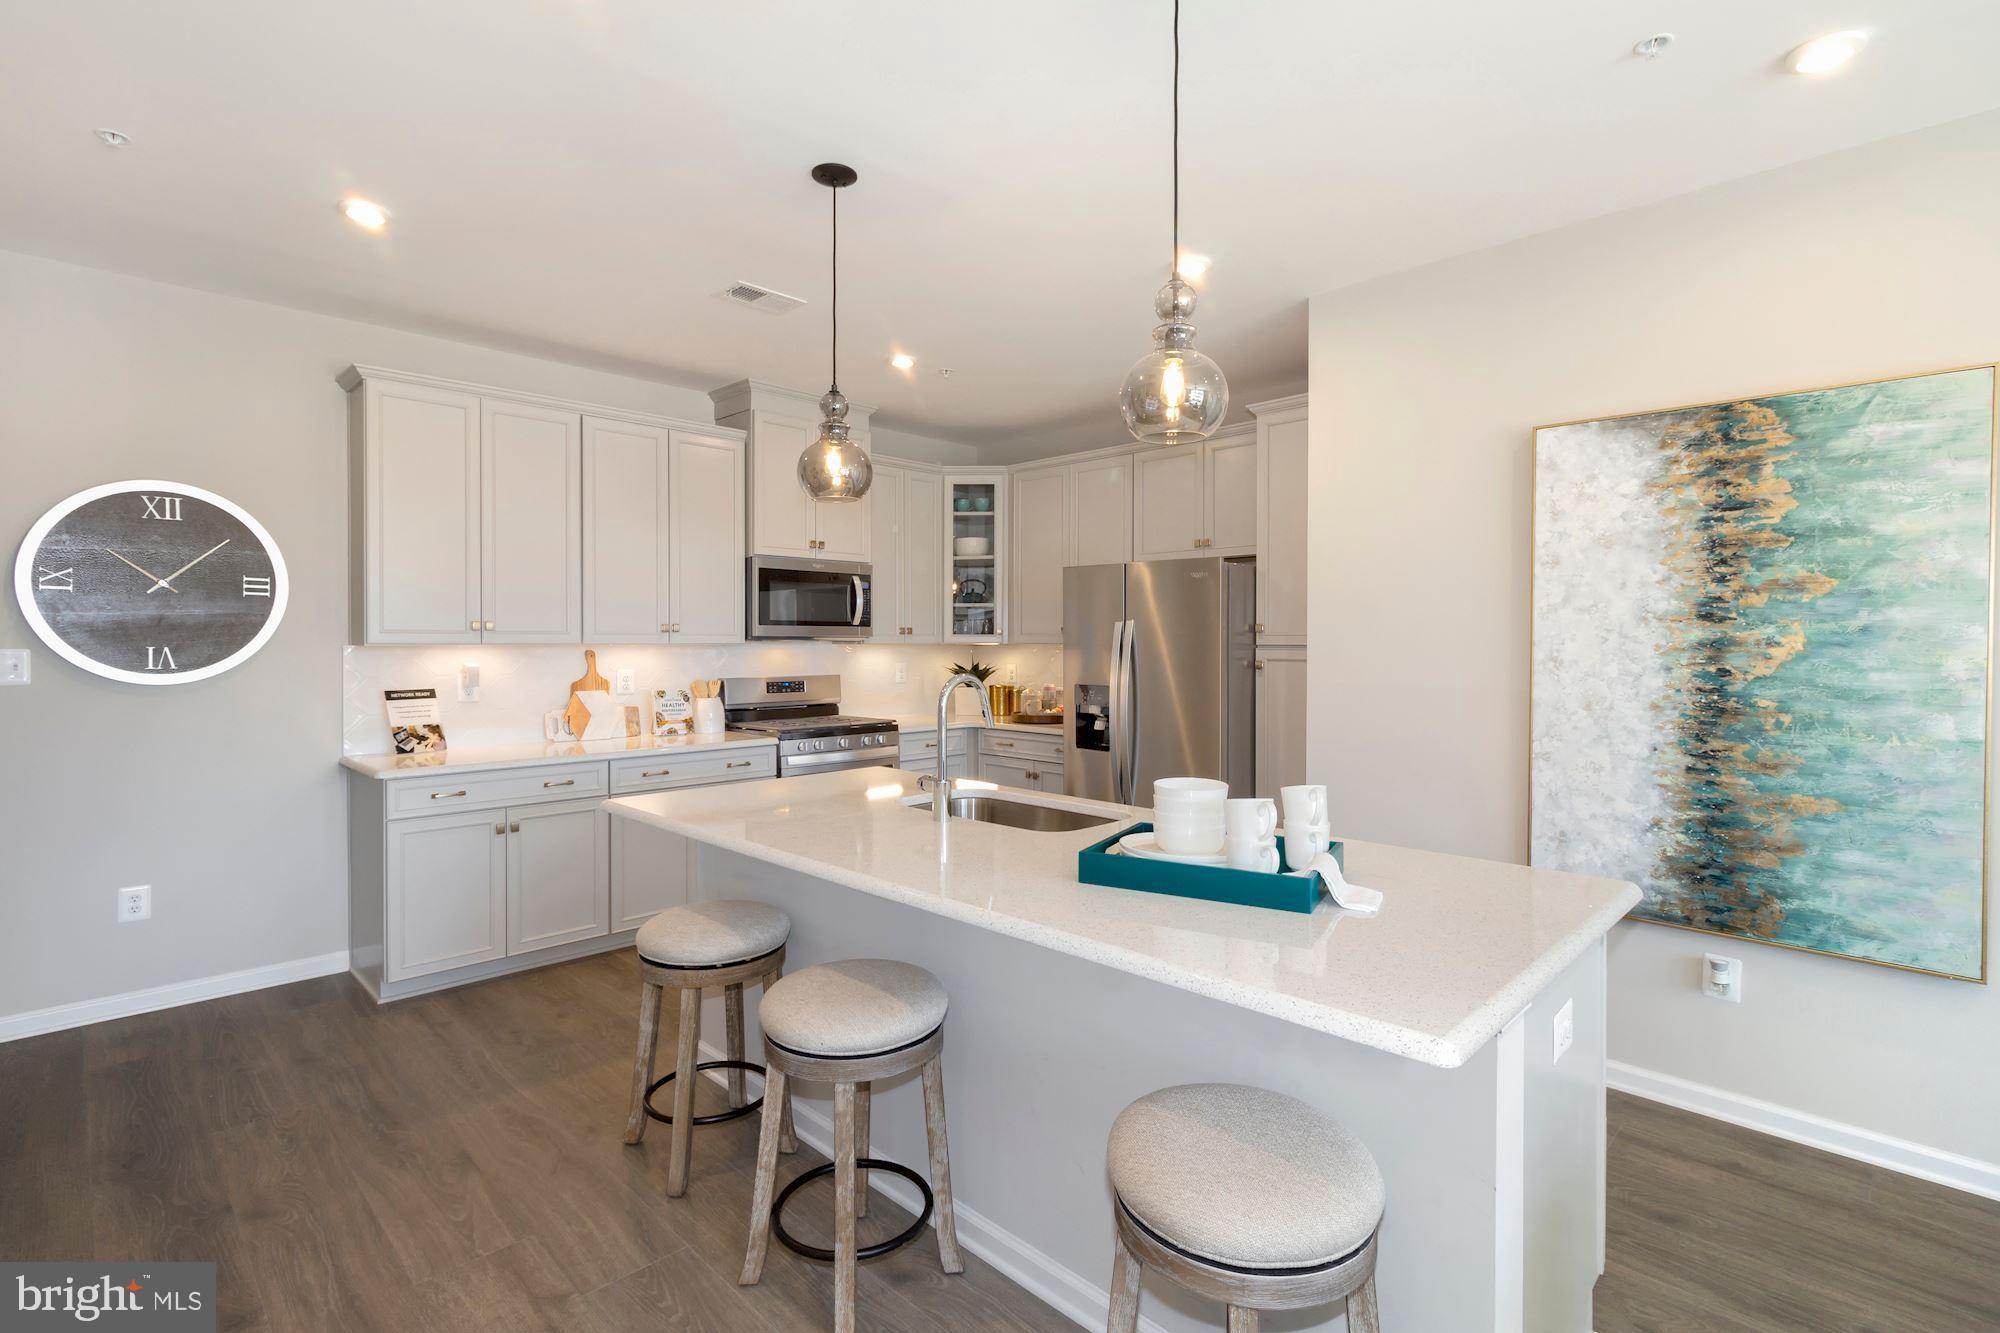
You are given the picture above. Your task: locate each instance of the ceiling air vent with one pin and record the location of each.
(759, 298)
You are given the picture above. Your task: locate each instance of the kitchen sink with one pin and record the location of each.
(989, 809)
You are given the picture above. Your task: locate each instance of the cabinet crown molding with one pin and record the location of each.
(759, 396)
(1292, 403)
(352, 378)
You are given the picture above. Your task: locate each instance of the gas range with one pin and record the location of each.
(803, 713)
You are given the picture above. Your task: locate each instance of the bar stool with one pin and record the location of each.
(848, 1023)
(1246, 1196)
(689, 949)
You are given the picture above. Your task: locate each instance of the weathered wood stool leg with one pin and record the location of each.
(686, 1052)
(947, 1218)
(642, 1064)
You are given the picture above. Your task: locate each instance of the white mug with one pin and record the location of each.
(1250, 819)
(1305, 807)
(1251, 854)
(1302, 844)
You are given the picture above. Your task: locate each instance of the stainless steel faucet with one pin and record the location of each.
(941, 794)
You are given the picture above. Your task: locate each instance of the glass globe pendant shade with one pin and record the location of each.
(834, 468)
(1174, 394)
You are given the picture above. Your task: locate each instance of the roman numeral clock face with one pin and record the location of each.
(151, 582)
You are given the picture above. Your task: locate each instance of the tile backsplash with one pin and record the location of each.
(519, 683)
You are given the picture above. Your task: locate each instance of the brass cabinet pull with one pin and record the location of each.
(657, 773)
(663, 629)
(499, 830)
(442, 795)
(1003, 745)
(737, 763)
(1257, 629)
(566, 782)
(677, 627)
(489, 624)
(1033, 776)
(1258, 664)
(514, 827)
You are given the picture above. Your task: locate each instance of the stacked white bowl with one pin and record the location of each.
(1187, 815)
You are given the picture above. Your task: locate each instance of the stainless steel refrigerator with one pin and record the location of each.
(1159, 658)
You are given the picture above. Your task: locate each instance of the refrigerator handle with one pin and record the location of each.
(1132, 728)
(1116, 739)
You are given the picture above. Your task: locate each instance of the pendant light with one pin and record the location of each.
(1174, 394)
(833, 468)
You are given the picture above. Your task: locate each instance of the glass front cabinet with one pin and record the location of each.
(975, 556)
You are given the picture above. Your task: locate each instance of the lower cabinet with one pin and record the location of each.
(446, 886)
(558, 869)
(918, 752)
(1028, 760)
(433, 893)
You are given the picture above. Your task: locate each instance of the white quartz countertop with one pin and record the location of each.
(1459, 948)
(544, 752)
(927, 722)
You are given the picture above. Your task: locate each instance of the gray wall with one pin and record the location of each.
(220, 794)
(1873, 262)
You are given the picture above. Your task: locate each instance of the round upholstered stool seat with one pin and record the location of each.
(1244, 1177)
(713, 934)
(1246, 1196)
(860, 1006)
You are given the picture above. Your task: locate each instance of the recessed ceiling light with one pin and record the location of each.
(902, 361)
(113, 139)
(1192, 266)
(364, 213)
(1824, 55)
(1652, 48)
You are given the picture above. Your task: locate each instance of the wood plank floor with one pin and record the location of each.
(454, 1163)
(1716, 1227)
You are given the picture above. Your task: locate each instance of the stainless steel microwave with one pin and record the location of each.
(793, 597)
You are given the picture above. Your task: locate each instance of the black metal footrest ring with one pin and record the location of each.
(733, 1113)
(880, 1247)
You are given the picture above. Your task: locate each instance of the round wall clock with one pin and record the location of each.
(151, 582)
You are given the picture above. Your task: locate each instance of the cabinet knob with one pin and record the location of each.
(1258, 665)
(514, 827)
(499, 830)
(677, 627)
(1033, 776)
(663, 629)
(473, 625)
(489, 624)
(1257, 629)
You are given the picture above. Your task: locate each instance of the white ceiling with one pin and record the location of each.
(577, 177)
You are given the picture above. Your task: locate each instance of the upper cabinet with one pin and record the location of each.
(1196, 499)
(470, 508)
(531, 567)
(663, 524)
(1281, 520)
(1101, 498)
(907, 504)
(779, 423)
(1044, 526)
(974, 553)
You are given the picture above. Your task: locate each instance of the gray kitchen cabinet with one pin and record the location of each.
(415, 512)
(1281, 717)
(1101, 498)
(558, 874)
(445, 881)
(1281, 520)
(779, 424)
(1167, 515)
(531, 524)
(663, 522)
(1044, 513)
(1026, 759)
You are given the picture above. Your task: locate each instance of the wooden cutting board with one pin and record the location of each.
(576, 715)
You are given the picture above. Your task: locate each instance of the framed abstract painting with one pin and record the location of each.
(1761, 664)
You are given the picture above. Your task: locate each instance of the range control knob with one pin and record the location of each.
(844, 742)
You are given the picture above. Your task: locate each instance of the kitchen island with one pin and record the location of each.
(1430, 1030)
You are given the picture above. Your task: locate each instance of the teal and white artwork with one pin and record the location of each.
(1760, 665)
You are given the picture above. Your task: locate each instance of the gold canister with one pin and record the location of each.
(1006, 699)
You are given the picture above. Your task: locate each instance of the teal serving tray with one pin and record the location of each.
(1099, 863)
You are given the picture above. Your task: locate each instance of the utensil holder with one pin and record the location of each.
(708, 719)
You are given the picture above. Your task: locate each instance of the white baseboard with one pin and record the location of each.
(54, 1019)
(1865, 1145)
(1062, 1287)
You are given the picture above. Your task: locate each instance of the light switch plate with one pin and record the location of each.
(13, 666)
(1565, 1029)
(902, 673)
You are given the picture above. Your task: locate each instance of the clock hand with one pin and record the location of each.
(185, 568)
(143, 570)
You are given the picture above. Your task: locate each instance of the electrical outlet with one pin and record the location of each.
(621, 681)
(1565, 1029)
(135, 903)
(1722, 978)
(468, 684)
(1013, 676)
(13, 666)
(902, 673)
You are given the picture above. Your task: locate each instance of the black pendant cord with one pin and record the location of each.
(833, 352)
(1174, 265)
